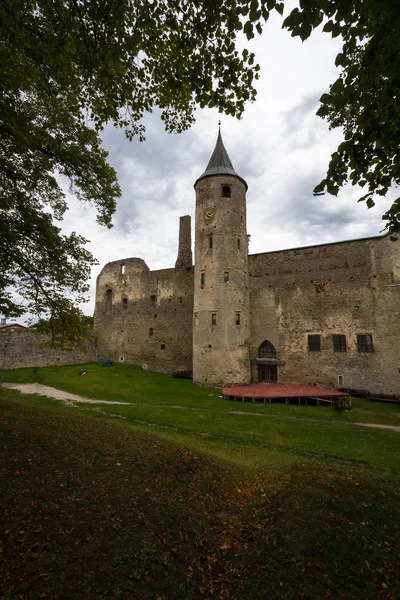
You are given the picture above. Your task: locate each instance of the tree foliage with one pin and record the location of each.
(71, 66)
(365, 99)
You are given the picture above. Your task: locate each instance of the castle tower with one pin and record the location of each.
(221, 301)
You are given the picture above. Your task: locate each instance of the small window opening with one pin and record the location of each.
(237, 319)
(202, 279)
(340, 379)
(213, 318)
(210, 242)
(153, 300)
(365, 343)
(238, 244)
(162, 346)
(314, 343)
(122, 269)
(226, 276)
(241, 218)
(339, 343)
(151, 331)
(225, 191)
(125, 303)
(109, 295)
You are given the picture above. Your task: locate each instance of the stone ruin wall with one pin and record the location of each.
(145, 317)
(30, 348)
(345, 288)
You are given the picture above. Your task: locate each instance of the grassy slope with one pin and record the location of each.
(225, 506)
(179, 410)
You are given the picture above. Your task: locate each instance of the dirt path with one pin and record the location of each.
(69, 399)
(44, 390)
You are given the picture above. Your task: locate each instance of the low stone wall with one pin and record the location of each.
(29, 348)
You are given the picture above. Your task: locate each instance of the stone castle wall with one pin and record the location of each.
(344, 288)
(29, 348)
(145, 317)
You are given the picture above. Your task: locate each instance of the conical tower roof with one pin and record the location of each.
(220, 163)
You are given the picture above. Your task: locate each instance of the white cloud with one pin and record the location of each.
(279, 146)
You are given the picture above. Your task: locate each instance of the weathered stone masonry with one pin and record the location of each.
(30, 348)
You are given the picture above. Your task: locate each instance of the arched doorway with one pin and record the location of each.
(267, 369)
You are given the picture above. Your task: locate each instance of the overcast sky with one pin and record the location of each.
(280, 147)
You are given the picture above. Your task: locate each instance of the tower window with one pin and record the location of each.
(109, 298)
(122, 269)
(238, 244)
(210, 242)
(162, 346)
(213, 318)
(340, 380)
(153, 300)
(339, 343)
(202, 279)
(226, 276)
(364, 342)
(125, 303)
(225, 191)
(314, 343)
(237, 319)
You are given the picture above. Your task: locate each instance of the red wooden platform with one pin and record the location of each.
(280, 390)
(287, 392)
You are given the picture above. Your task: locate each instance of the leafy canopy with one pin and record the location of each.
(71, 66)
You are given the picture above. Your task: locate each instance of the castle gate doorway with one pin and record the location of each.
(267, 363)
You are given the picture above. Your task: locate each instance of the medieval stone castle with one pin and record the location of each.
(326, 314)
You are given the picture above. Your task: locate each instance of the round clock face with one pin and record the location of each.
(209, 214)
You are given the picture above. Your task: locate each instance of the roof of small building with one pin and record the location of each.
(12, 326)
(220, 163)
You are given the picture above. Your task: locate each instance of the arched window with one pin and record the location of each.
(266, 350)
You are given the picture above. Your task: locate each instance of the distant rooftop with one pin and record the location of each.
(220, 163)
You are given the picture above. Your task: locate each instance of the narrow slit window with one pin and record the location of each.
(162, 347)
(226, 276)
(339, 343)
(109, 299)
(210, 242)
(124, 303)
(238, 244)
(340, 379)
(202, 279)
(213, 318)
(237, 319)
(153, 300)
(365, 343)
(225, 191)
(122, 269)
(314, 343)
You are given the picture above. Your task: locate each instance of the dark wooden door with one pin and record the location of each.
(268, 373)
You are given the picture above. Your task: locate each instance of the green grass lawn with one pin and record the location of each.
(175, 496)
